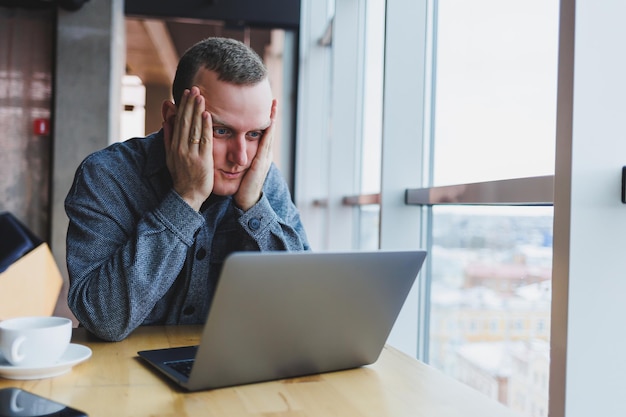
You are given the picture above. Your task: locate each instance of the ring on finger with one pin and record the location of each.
(194, 141)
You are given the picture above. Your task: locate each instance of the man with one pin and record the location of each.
(152, 219)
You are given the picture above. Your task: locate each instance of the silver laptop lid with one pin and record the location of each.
(277, 314)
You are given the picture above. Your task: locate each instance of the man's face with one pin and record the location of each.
(240, 115)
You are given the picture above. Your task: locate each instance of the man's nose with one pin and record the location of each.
(237, 151)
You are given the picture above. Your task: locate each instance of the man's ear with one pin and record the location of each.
(168, 109)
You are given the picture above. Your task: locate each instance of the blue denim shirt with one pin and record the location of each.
(137, 254)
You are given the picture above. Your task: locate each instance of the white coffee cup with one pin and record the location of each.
(34, 341)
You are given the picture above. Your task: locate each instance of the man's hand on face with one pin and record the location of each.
(251, 187)
(188, 138)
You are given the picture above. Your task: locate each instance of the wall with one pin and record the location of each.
(89, 67)
(26, 46)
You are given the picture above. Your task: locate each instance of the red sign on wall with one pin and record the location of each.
(41, 127)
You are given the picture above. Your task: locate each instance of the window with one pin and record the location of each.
(478, 146)
(471, 97)
(494, 118)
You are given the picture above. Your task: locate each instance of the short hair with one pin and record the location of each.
(232, 61)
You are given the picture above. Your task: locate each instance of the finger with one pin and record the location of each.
(268, 136)
(178, 131)
(168, 128)
(196, 129)
(184, 119)
(274, 109)
(273, 119)
(206, 138)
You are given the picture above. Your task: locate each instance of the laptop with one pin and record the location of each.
(278, 315)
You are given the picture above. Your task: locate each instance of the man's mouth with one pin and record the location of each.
(232, 175)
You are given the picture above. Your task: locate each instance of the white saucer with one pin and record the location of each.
(74, 355)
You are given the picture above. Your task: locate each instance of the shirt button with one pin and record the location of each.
(254, 223)
(200, 254)
(189, 310)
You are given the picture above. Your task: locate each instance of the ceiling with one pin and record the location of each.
(154, 46)
(159, 32)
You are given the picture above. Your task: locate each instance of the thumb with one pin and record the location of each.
(168, 128)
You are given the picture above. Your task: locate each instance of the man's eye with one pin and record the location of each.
(255, 135)
(220, 131)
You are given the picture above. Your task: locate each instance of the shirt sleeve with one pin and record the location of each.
(121, 259)
(274, 222)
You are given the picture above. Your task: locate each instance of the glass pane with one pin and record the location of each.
(495, 90)
(369, 226)
(373, 97)
(490, 301)
(369, 216)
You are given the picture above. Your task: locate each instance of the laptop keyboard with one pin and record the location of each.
(182, 366)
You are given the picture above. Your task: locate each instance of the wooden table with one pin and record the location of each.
(114, 382)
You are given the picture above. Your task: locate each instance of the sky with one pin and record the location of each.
(495, 94)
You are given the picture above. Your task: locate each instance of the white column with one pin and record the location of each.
(403, 141)
(589, 285)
